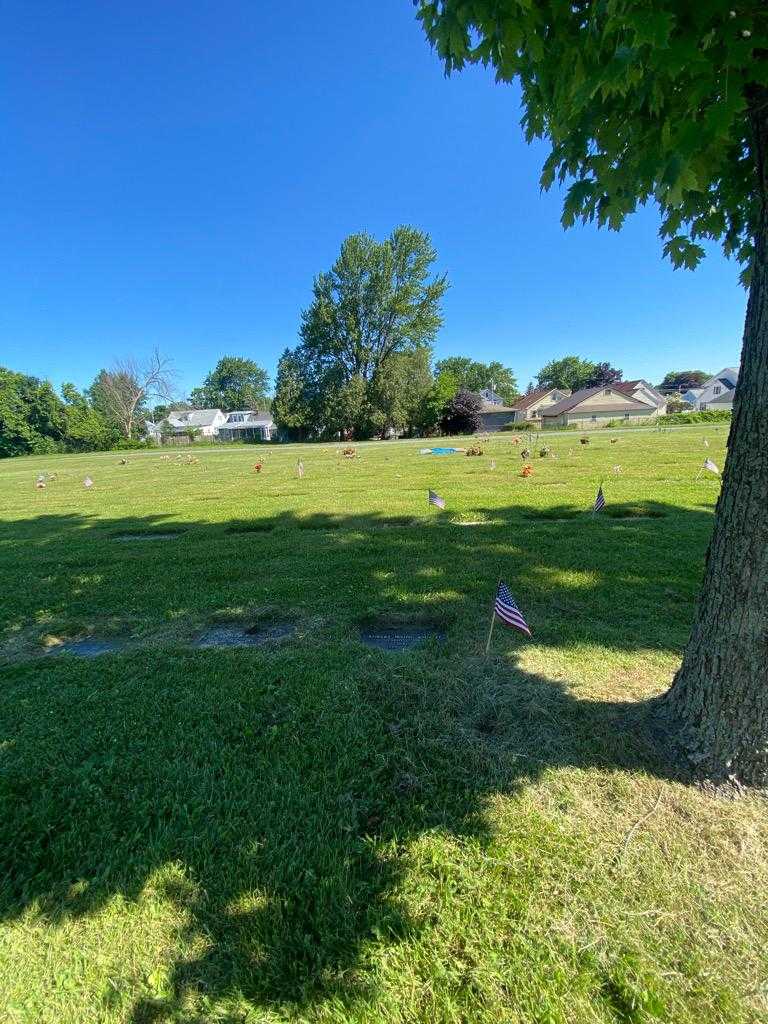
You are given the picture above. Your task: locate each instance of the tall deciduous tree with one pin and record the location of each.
(667, 101)
(121, 393)
(234, 383)
(475, 376)
(570, 372)
(379, 299)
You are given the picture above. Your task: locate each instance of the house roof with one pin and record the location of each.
(725, 399)
(526, 401)
(250, 419)
(629, 387)
(492, 407)
(576, 399)
(193, 417)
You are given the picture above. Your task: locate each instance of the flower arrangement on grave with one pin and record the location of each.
(474, 450)
(349, 453)
(527, 470)
(525, 454)
(258, 466)
(545, 451)
(583, 440)
(614, 440)
(515, 440)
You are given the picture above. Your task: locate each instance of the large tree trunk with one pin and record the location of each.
(719, 697)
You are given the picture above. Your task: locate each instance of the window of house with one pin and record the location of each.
(716, 390)
(594, 419)
(703, 406)
(626, 415)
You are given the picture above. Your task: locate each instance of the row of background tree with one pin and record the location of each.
(363, 368)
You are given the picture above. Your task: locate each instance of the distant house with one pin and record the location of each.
(490, 397)
(644, 392)
(594, 407)
(204, 422)
(244, 425)
(530, 406)
(716, 393)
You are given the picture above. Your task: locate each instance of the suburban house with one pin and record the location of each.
(490, 397)
(530, 406)
(245, 425)
(241, 425)
(716, 394)
(643, 391)
(594, 407)
(204, 422)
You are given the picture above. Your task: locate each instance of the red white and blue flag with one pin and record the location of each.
(435, 499)
(599, 500)
(506, 609)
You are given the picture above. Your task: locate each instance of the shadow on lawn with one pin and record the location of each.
(273, 795)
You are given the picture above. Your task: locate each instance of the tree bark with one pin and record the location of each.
(719, 698)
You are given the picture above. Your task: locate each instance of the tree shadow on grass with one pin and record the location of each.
(272, 795)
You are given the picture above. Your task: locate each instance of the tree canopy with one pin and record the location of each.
(640, 102)
(681, 380)
(31, 415)
(475, 376)
(234, 383)
(602, 375)
(570, 373)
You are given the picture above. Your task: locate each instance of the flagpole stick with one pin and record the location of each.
(493, 620)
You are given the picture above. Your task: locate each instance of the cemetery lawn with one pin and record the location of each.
(310, 830)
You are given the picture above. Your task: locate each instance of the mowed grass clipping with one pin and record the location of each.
(309, 830)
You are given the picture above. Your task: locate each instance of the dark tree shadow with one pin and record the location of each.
(282, 782)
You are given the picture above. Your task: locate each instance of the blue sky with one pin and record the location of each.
(174, 174)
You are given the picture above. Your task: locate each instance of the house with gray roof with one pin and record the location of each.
(245, 425)
(716, 393)
(594, 407)
(205, 422)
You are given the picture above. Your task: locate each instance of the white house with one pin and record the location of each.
(205, 422)
(716, 393)
(245, 425)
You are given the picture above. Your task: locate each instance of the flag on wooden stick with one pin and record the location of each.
(505, 608)
(436, 500)
(710, 465)
(599, 500)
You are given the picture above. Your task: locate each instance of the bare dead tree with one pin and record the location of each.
(130, 382)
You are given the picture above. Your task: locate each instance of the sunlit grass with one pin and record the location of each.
(315, 831)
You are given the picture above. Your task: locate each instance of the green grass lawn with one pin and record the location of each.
(315, 831)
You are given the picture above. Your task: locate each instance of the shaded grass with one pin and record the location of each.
(318, 831)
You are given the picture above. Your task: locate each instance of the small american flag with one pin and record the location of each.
(709, 464)
(599, 500)
(436, 500)
(87, 482)
(506, 609)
